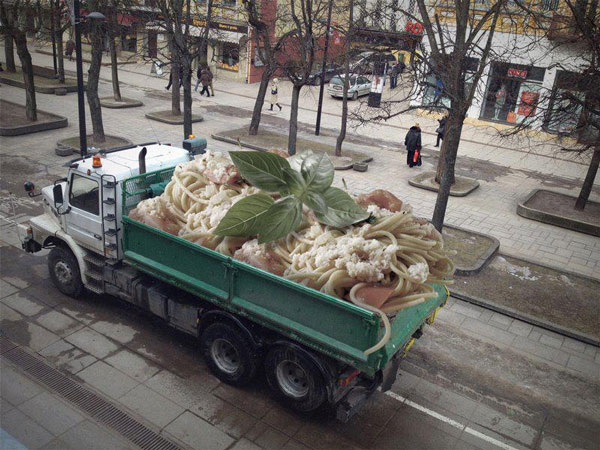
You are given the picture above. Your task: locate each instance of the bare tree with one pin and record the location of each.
(96, 33)
(349, 35)
(14, 25)
(9, 52)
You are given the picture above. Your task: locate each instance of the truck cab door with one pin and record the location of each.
(83, 222)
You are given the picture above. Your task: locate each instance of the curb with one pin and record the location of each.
(229, 140)
(154, 116)
(417, 182)
(62, 149)
(37, 87)
(553, 219)
(111, 103)
(487, 304)
(483, 259)
(57, 122)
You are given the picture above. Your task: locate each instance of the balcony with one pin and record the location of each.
(562, 29)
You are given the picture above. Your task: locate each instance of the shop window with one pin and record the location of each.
(129, 40)
(434, 89)
(512, 93)
(229, 57)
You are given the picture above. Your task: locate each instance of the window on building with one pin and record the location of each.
(129, 39)
(84, 194)
(229, 56)
(512, 93)
(434, 89)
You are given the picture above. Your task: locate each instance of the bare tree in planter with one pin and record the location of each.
(14, 26)
(348, 39)
(9, 52)
(306, 18)
(60, 16)
(96, 33)
(263, 20)
(572, 110)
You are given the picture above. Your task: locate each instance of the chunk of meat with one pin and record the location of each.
(374, 296)
(381, 198)
(155, 213)
(223, 175)
(261, 256)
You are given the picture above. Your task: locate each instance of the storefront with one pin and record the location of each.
(433, 91)
(512, 93)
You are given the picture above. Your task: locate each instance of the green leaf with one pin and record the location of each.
(315, 201)
(317, 170)
(342, 210)
(244, 217)
(261, 169)
(282, 217)
(297, 160)
(294, 181)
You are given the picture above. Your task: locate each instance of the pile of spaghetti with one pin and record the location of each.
(383, 265)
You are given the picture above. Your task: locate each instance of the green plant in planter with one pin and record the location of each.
(303, 179)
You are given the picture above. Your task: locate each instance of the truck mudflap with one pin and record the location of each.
(357, 396)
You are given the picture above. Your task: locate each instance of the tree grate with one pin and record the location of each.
(86, 400)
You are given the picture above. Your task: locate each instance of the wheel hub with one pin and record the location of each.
(292, 379)
(63, 272)
(225, 356)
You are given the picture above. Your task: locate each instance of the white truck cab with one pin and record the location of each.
(82, 216)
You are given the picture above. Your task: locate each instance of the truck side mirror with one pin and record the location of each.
(58, 195)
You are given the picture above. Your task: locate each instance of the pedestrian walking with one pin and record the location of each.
(274, 92)
(69, 48)
(198, 75)
(394, 76)
(441, 130)
(205, 79)
(413, 146)
(210, 79)
(171, 78)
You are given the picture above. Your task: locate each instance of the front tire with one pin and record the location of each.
(64, 271)
(229, 355)
(355, 95)
(295, 378)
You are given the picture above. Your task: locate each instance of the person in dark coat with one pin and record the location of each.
(171, 78)
(441, 130)
(413, 144)
(206, 80)
(70, 47)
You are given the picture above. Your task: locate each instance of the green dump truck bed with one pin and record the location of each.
(325, 323)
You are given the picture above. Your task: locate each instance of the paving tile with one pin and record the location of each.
(451, 317)
(15, 387)
(254, 403)
(7, 289)
(117, 331)
(225, 416)
(284, 420)
(51, 413)
(63, 355)
(501, 319)
(89, 436)
(195, 432)
(483, 330)
(58, 323)
(266, 436)
(245, 444)
(520, 328)
(502, 424)
(92, 342)
(23, 304)
(24, 429)
(132, 364)
(551, 341)
(151, 406)
(585, 366)
(543, 351)
(467, 310)
(186, 392)
(107, 379)
(482, 444)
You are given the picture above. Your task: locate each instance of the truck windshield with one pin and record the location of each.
(84, 194)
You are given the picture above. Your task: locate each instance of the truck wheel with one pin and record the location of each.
(64, 271)
(229, 355)
(296, 378)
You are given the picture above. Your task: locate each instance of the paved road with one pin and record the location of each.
(475, 380)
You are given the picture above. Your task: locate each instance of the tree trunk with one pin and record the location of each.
(92, 85)
(293, 120)
(175, 95)
(60, 56)
(447, 160)
(588, 183)
(9, 53)
(115, 69)
(187, 98)
(342, 135)
(27, 67)
(259, 103)
(444, 148)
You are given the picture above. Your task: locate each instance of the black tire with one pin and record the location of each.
(295, 378)
(229, 354)
(64, 271)
(355, 95)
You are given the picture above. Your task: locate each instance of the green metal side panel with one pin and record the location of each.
(330, 325)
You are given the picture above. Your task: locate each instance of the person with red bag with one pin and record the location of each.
(413, 146)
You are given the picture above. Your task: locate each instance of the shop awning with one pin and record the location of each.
(127, 19)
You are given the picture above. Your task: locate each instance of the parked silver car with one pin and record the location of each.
(359, 85)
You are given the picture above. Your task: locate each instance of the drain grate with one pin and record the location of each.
(86, 400)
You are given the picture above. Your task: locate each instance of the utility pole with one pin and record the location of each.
(323, 68)
(80, 98)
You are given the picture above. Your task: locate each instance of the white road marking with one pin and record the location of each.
(449, 421)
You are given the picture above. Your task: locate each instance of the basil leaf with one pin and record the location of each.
(294, 181)
(282, 217)
(244, 217)
(297, 159)
(317, 170)
(342, 210)
(261, 169)
(315, 201)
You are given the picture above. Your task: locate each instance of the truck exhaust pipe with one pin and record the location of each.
(142, 160)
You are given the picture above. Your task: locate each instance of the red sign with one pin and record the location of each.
(517, 73)
(414, 28)
(528, 102)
